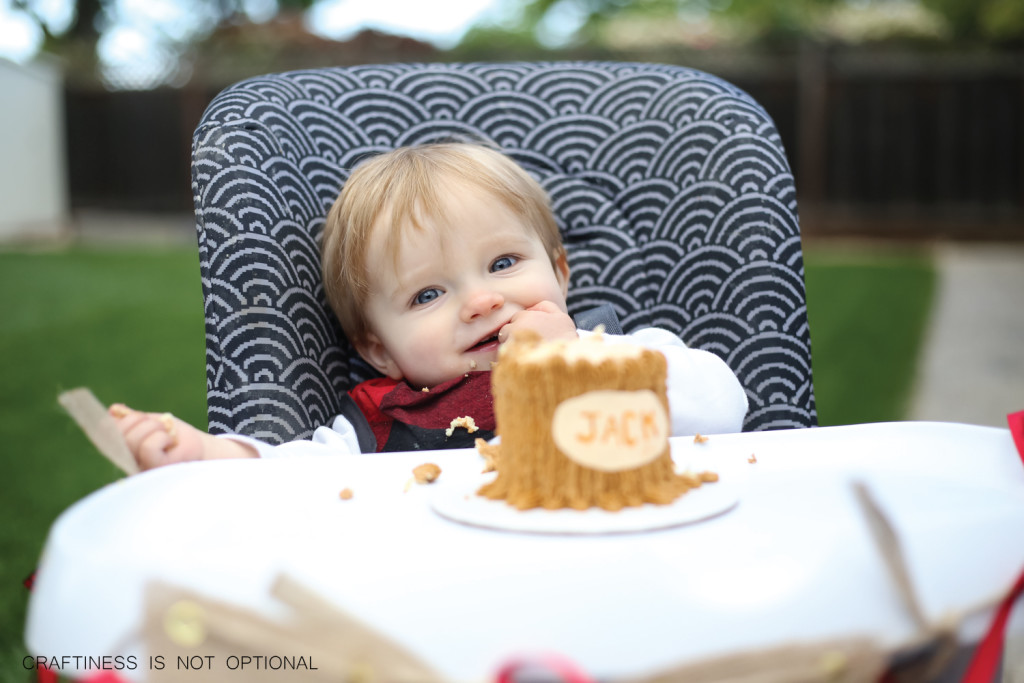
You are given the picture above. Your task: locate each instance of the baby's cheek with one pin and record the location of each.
(423, 351)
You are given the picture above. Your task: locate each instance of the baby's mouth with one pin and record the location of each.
(485, 344)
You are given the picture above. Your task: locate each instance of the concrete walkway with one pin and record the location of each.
(972, 368)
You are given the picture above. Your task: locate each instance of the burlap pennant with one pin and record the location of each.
(853, 660)
(189, 637)
(99, 426)
(889, 547)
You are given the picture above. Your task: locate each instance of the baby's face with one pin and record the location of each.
(437, 315)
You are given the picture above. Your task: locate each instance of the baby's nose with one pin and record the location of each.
(481, 303)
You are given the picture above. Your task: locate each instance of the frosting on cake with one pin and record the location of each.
(593, 349)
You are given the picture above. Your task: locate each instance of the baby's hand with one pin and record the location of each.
(545, 318)
(158, 439)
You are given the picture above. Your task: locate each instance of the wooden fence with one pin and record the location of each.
(898, 144)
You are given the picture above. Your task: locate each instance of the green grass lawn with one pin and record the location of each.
(129, 325)
(868, 310)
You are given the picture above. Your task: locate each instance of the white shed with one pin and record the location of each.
(33, 174)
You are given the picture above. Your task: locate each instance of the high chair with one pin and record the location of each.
(670, 186)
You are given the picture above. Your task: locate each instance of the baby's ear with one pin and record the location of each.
(373, 352)
(561, 264)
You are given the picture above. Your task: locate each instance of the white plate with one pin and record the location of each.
(456, 499)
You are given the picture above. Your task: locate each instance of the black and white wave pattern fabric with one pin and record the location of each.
(671, 188)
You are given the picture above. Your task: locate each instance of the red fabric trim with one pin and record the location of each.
(384, 401)
(44, 675)
(989, 653)
(469, 395)
(1016, 422)
(565, 670)
(104, 677)
(368, 396)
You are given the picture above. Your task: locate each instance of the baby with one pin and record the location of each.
(433, 256)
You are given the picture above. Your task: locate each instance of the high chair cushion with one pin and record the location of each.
(670, 186)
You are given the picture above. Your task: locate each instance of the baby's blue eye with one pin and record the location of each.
(426, 296)
(503, 262)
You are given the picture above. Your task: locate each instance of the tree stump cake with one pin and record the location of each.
(583, 424)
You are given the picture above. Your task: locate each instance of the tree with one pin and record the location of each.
(84, 20)
(91, 20)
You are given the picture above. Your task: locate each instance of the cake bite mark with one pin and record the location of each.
(426, 473)
(467, 422)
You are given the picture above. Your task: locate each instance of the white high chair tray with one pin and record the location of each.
(793, 561)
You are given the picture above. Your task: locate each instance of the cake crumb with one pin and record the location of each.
(708, 477)
(119, 410)
(752, 459)
(472, 364)
(425, 390)
(466, 421)
(489, 453)
(692, 480)
(346, 494)
(167, 420)
(408, 484)
(426, 473)
(699, 438)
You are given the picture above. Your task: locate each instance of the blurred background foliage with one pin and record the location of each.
(528, 28)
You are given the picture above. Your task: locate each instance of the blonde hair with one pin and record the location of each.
(406, 186)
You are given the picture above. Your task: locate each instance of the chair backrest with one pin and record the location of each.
(670, 186)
